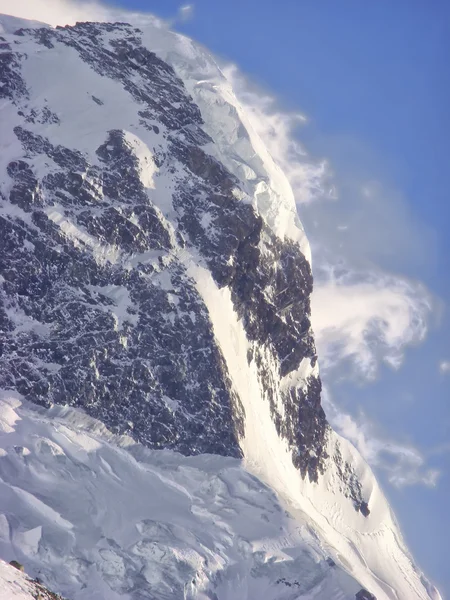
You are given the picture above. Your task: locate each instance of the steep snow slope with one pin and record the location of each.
(236, 145)
(95, 515)
(155, 274)
(16, 585)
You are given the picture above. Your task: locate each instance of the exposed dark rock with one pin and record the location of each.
(13, 86)
(306, 424)
(140, 377)
(17, 565)
(350, 486)
(287, 583)
(365, 595)
(26, 190)
(114, 323)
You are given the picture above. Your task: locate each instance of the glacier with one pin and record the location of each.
(161, 433)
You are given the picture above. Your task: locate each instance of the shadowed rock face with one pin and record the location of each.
(365, 595)
(98, 309)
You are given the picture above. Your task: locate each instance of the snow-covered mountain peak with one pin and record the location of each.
(155, 278)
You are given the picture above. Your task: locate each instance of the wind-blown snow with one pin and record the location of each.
(236, 144)
(10, 24)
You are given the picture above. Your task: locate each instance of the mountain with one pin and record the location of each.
(161, 432)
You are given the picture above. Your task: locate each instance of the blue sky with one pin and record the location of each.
(373, 80)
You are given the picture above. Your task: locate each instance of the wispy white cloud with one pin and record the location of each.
(57, 12)
(402, 464)
(68, 12)
(364, 318)
(372, 222)
(186, 12)
(277, 129)
(444, 367)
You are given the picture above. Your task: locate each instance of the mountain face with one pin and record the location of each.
(89, 237)
(154, 274)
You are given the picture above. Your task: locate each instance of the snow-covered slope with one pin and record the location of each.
(93, 512)
(98, 516)
(17, 585)
(156, 278)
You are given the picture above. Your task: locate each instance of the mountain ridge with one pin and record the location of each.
(155, 275)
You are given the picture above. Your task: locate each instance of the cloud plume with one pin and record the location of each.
(186, 11)
(364, 318)
(402, 464)
(278, 129)
(444, 366)
(57, 12)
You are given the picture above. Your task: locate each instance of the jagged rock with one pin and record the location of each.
(81, 237)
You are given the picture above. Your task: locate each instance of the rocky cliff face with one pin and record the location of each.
(98, 309)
